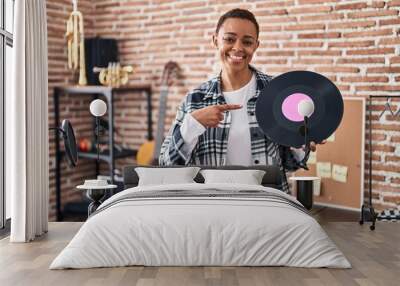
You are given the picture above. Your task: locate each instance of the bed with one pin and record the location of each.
(201, 224)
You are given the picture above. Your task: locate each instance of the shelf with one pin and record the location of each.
(105, 156)
(109, 93)
(98, 89)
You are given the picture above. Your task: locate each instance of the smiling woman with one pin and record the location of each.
(216, 123)
(236, 40)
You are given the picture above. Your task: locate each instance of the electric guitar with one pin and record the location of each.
(149, 151)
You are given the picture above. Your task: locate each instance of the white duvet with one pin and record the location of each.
(200, 231)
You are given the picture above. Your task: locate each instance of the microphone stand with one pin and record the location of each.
(97, 139)
(304, 132)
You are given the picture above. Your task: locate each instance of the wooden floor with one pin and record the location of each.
(321, 213)
(374, 255)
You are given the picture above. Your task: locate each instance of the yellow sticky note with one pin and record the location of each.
(331, 138)
(339, 173)
(324, 169)
(312, 159)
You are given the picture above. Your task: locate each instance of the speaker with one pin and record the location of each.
(99, 52)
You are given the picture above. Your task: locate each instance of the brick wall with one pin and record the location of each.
(354, 43)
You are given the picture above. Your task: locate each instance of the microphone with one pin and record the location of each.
(98, 108)
(305, 108)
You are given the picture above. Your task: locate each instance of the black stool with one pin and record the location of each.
(305, 190)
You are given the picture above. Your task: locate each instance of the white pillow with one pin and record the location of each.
(163, 176)
(248, 177)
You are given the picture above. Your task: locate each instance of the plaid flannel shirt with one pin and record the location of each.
(211, 148)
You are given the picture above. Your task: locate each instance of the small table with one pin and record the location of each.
(96, 190)
(305, 190)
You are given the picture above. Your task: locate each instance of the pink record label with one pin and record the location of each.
(290, 106)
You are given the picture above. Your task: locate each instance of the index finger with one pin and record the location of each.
(225, 107)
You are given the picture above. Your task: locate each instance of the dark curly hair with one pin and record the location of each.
(238, 13)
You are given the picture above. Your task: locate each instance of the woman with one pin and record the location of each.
(216, 122)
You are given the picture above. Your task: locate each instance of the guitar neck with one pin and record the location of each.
(160, 122)
(171, 70)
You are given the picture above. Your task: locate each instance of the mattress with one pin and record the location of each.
(201, 225)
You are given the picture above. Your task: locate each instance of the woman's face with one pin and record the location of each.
(236, 43)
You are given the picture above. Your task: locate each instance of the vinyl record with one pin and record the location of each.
(277, 108)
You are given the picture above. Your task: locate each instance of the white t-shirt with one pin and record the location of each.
(239, 142)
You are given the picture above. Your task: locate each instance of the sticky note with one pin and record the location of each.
(339, 173)
(312, 159)
(324, 170)
(331, 138)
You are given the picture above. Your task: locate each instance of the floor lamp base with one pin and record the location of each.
(368, 214)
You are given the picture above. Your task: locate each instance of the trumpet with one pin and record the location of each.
(114, 75)
(76, 43)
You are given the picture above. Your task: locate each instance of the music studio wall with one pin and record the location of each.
(355, 44)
